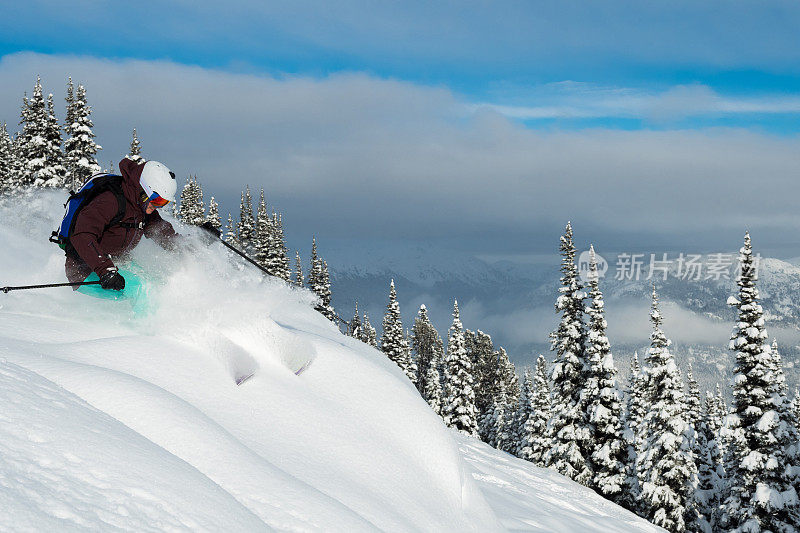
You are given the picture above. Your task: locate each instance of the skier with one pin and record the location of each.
(96, 239)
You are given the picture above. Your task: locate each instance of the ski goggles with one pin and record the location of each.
(157, 201)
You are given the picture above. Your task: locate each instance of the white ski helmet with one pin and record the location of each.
(157, 178)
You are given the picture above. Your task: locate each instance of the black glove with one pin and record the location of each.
(112, 280)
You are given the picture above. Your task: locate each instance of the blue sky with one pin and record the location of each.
(504, 53)
(482, 125)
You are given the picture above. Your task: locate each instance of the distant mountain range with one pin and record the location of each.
(513, 302)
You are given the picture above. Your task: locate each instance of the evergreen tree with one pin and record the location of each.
(635, 411)
(432, 391)
(136, 149)
(8, 180)
(535, 442)
(319, 282)
(393, 341)
(602, 397)
(29, 141)
(40, 142)
(298, 270)
(692, 399)
(710, 473)
(79, 146)
(354, 327)
(278, 258)
(497, 421)
(324, 293)
(70, 99)
(522, 413)
(262, 239)
(428, 349)
(230, 232)
(570, 434)
(315, 267)
(485, 373)
(213, 214)
(192, 210)
(762, 494)
(796, 406)
(246, 226)
(459, 405)
(508, 375)
(665, 463)
(368, 335)
(53, 174)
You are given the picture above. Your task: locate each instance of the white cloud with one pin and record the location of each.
(353, 155)
(571, 100)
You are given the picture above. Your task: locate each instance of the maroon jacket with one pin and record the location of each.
(98, 246)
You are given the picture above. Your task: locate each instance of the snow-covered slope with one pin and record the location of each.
(110, 419)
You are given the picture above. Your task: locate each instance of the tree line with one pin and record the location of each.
(654, 445)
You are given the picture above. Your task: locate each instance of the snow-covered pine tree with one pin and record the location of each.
(188, 208)
(433, 386)
(324, 293)
(427, 347)
(412, 363)
(710, 473)
(53, 174)
(762, 493)
(368, 335)
(569, 427)
(535, 439)
(213, 214)
(199, 204)
(602, 397)
(508, 374)
(136, 149)
(230, 232)
(393, 341)
(70, 99)
(497, 421)
(692, 398)
(298, 270)
(31, 137)
(354, 326)
(7, 163)
(521, 413)
(665, 463)
(634, 414)
(246, 225)
(262, 240)
(315, 266)
(485, 373)
(796, 406)
(79, 146)
(278, 258)
(34, 144)
(459, 399)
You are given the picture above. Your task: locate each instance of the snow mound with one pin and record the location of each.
(347, 445)
(115, 420)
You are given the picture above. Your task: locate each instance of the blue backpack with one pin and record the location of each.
(97, 184)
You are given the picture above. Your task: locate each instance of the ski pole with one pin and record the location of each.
(6, 290)
(218, 234)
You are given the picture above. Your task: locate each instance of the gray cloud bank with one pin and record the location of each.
(354, 156)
